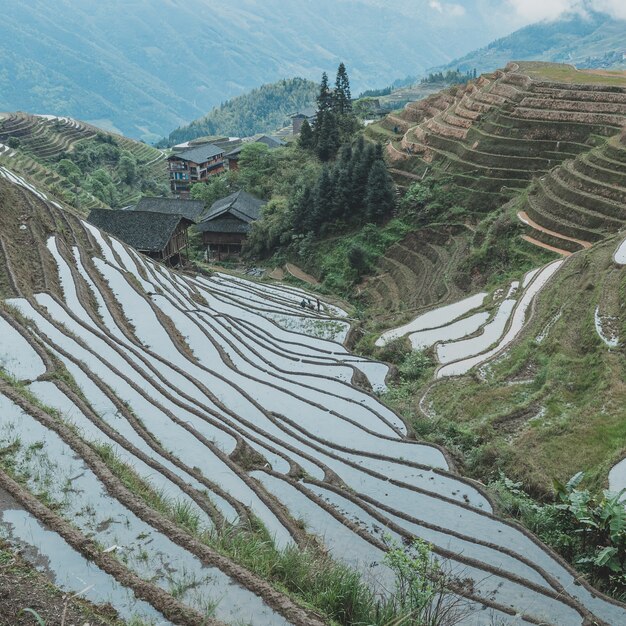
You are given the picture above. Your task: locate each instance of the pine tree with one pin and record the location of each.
(322, 201)
(325, 99)
(327, 135)
(363, 161)
(342, 98)
(300, 210)
(380, 198)
(342, 193)
(307, 139)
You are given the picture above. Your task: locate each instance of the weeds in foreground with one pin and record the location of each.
(310, 576)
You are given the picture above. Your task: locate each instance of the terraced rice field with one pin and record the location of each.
(413, 272)
(470, 332)
(493, 136)
(226, 397)
(43, 139)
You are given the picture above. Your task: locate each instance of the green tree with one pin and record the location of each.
(342, 99)
(325, 97)
(300, 208)
(322, 202)
(68, 169)
(327, 135)
(216, 188)
(357, 259)
(127, 168)
(380, 199)
(307, 139)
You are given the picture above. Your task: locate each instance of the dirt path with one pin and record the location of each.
(545, 246)
(296, 272)
(523, 217)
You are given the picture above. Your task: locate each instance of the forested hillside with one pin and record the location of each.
(145, 67)
(591, 41)
(262, 110)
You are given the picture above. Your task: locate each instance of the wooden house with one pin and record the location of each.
(195, 165)
(226, 225)
(161, 236)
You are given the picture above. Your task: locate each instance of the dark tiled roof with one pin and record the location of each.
(224, 225)
(239, 207)
(191, 209)
(234, 154)
(270, 142)
(147, 231)
(201, 154)
(306, 112)
(241, 204)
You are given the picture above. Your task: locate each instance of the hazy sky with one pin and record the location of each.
(533, 10)
(517, 13)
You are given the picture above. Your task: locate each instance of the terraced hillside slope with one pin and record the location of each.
(236, 405)
(526, 379)
(34, 145)
(535, 139)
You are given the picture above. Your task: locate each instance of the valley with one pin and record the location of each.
(197, 446)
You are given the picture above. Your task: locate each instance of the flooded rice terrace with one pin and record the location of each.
(233, 403)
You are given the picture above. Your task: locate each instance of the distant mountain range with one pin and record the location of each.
(594, 41)
(148, 66)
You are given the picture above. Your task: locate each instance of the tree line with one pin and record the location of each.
(356, 189)
(335, 121)
(451, 76)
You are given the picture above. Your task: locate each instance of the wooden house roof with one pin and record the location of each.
(270, 142)
(234, 213)
(200, 154)
(191, 209)
(147, 231)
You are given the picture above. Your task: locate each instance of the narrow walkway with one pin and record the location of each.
(541, 244)
(523, 216)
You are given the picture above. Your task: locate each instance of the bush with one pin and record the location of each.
(414, 365)
(588, 530)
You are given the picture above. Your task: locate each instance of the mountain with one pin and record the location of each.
(594, 40)
(262, 110)
(145, 67)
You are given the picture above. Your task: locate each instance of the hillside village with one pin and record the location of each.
(366, 369)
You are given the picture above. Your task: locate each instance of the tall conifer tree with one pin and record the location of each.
(325, 98)
(307, 138)
(342, 96)
(380, 198)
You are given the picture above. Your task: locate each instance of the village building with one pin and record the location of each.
(195, 165)
(161, 236)
(226, 225)
(309, 114)
(191, 209)
(232, 157)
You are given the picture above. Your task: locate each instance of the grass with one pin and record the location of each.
(308, 575)
(333, 258)
(569, 74)
(542, 400)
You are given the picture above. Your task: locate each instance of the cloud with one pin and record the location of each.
(452, 10)
(535, 10)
